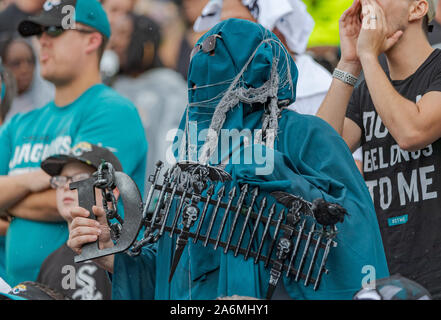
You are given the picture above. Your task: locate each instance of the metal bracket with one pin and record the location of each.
(290, 242)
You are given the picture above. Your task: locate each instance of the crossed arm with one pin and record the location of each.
(28, 196)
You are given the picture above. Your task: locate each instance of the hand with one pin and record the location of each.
(375, 36)
(350, 27)
(83, 230)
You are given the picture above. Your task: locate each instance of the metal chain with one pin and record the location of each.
(105, 181)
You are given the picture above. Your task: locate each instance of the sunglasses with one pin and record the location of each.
(54, 31)
(62, 181)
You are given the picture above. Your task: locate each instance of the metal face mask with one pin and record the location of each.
(237, 69)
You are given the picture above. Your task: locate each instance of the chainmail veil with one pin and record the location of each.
(268, 92)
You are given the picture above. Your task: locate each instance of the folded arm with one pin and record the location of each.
(28, 196)
(40, 206)
(14, 189)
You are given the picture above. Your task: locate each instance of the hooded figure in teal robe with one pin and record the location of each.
(240, 80)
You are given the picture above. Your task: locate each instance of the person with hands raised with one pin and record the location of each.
(395, 115)
(375, 36)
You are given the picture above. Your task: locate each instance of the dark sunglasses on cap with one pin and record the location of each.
(54, 31)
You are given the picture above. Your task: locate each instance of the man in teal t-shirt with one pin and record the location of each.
(72, 35)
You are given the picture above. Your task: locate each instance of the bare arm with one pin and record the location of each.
(16, 188)
(13, 189)
(333, 108)
(39, 206)
(413, 125)
(28, 196)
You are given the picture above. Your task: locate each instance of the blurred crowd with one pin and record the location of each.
(147, 57)
(147, 35)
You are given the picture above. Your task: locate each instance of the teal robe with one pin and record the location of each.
(309, 159)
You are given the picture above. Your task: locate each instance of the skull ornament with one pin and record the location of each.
(283, 248)
(190, 215)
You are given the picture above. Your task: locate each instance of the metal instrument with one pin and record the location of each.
(278, 230)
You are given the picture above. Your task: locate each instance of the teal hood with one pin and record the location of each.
(248, 74)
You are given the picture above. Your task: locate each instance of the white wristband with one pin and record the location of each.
(344, 76)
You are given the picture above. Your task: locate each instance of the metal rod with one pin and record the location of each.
(323, 263)
(167, 209)
(153, 179)
(161, 198)
(231, 195)
(255, 193)
(305, 252)
(220, 195)
(265, 232)
(178, 212)
(276, 234)
(210, 192)
(253, 215)
(256, 226)
(314, 258)
(296, 247)
(239, 206)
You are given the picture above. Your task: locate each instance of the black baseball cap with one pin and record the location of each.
(30, 290)
(84, 152)
(395, 287)
(59, 13)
